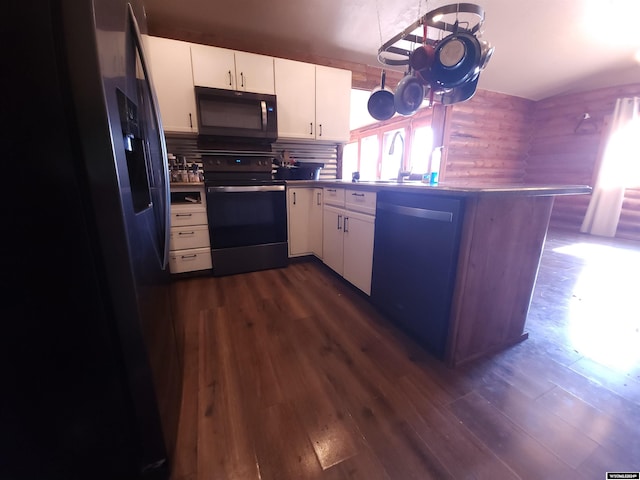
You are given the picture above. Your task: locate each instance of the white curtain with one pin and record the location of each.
(620, 157)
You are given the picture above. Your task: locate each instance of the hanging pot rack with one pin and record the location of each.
(393, 52)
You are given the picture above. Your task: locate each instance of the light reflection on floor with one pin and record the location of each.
(604, 311)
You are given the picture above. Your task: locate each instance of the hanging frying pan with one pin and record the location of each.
(486, 50)
(461, 93)
(409, 95)
(381, 101)
(421, 59)
(457, 60)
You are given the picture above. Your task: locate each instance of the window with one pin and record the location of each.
(369, 149)
(412, 139)
(421, 148)
(393, 148)
(349, 159)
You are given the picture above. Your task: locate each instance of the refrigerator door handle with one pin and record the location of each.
(166, 194)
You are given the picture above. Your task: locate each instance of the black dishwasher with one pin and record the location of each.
(417, 238)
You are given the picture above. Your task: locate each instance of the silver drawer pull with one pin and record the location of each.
(186, 233)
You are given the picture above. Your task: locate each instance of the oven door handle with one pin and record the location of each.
(248, 188)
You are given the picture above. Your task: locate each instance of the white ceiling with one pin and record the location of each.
(542, 47)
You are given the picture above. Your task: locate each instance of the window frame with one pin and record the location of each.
(423, 117)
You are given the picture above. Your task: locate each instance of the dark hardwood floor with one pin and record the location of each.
(291, 374)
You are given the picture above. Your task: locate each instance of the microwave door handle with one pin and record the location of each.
(263, 107)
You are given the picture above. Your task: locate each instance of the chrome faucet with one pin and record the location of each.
(401, 172)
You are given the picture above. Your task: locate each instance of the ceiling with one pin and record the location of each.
(542, 47)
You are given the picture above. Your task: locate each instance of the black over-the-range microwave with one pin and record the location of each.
(231, 113)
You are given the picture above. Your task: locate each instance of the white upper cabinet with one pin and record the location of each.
(222, 68)
(213, 67)
(171, 74)
(333, 103)
(313, 101)
(254, 73)
(295, 92)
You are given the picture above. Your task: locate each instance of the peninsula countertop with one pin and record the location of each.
(443, 188)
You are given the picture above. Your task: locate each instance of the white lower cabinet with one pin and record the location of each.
(347, 238)
(358, 250)
(315, 223)
(333, 238)
(189, 244)
(304, 211)
(336, 225)
(192, 260)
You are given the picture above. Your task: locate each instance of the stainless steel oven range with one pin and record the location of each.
(246, 210)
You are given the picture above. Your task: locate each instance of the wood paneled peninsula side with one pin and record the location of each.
(497, 249)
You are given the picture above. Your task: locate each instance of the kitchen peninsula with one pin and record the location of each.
(461, 259)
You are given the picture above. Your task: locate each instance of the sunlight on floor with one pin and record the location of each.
(604, 311)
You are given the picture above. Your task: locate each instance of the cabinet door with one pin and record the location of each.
(333, 100)
(358, 250)
(171, 71)
(295, 86)
(213, 67)
(332, 237)
(315, 223)
(298, 212)
(254, 73)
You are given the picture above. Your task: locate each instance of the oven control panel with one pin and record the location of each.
(236, 163)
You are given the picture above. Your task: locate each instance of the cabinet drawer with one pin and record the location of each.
(190, 260)
(361, 201)
(189, 237)
(181, 218)
(333, 196)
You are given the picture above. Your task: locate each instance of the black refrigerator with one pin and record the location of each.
(90, 370)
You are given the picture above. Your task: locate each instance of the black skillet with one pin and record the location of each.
(457, 60)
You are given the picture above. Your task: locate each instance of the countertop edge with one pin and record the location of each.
(444, 189)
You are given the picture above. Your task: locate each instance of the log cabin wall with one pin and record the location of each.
(565, 150)
(487, 139)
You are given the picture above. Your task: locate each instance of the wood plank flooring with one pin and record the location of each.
(291, 374)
